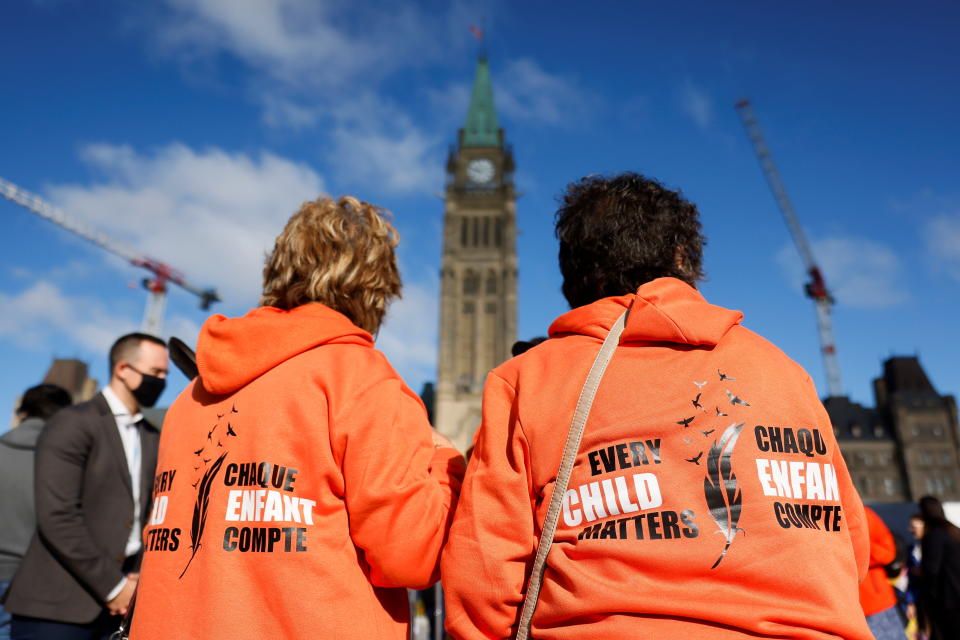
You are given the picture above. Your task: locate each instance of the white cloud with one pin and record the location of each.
(214, 215)
(211, 214)
(695, 102)
(942, 237)
(84, 326)
(376, 143)
(298, 42)
(450, 104)
(860, 273)
(44, 308)
(320, 65)
(525, 92)
(184, 328)
(285, 113)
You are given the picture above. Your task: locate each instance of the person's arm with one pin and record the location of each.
(492, 539)
(883, 549)
(62, 452)
(400, 489)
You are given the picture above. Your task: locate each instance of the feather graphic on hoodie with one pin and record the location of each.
(200, 508)
(720, 487)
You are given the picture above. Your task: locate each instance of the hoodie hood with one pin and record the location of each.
(662, 310)
(24, 435)
(231, 352)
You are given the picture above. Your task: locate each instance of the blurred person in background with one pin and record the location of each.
(94, 472)
(673, 525)
(877, 597)
(302, 487)
(917, 626)
(17, 448)
(940, 570)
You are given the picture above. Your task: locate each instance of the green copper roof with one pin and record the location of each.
(482, 128)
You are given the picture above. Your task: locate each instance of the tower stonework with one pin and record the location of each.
(478, 277)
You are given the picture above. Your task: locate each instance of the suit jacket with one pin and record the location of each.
(84, 513)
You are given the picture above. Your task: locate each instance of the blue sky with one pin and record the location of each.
(191, 129)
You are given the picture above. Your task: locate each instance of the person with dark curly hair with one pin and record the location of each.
(707, 499)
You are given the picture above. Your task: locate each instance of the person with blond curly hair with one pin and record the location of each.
(300, 489)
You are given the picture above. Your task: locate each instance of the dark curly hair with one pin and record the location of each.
(616, 233)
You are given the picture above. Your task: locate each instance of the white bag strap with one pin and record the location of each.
(580, 414)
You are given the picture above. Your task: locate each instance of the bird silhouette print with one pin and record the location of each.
(696, 402)
(724, 376)
(720, 413)
(736, 399)
(686, 421)
(700, 384)
(696, 459)
(198, 451)
(230, 431)
(707, 433)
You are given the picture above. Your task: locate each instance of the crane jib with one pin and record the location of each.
(816, 288)
(162, 272)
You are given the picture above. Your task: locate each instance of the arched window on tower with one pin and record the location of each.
(463, 232)
(486, 232)
(498, 232)
(491, 287)
(476, 231)
(471, 283)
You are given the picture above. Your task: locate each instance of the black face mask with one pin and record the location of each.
(149, 390)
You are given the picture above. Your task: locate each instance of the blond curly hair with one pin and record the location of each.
(339, 253)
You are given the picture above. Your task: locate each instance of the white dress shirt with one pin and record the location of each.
(130, 436)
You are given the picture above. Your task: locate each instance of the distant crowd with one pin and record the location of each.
(618, 484)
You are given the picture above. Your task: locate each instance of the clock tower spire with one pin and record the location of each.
(478, 278)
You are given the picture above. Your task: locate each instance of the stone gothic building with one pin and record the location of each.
(905, 447)
(478, 276)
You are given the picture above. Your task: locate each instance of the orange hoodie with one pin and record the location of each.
(297, 488)
(876, 593)
(708, 500)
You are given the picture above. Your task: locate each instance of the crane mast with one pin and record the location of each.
(816, 287)
(162, 273)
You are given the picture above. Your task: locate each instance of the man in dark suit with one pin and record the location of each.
(94, 474)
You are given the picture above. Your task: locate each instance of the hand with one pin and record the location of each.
(119, 605)
(440, 440)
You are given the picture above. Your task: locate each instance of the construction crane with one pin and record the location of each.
(156, 284)
(816, 288)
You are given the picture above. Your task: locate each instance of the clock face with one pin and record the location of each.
(480, 170)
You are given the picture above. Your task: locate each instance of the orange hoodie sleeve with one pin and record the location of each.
(399, 489)
(492, 539)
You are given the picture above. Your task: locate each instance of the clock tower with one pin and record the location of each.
(478, 279)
